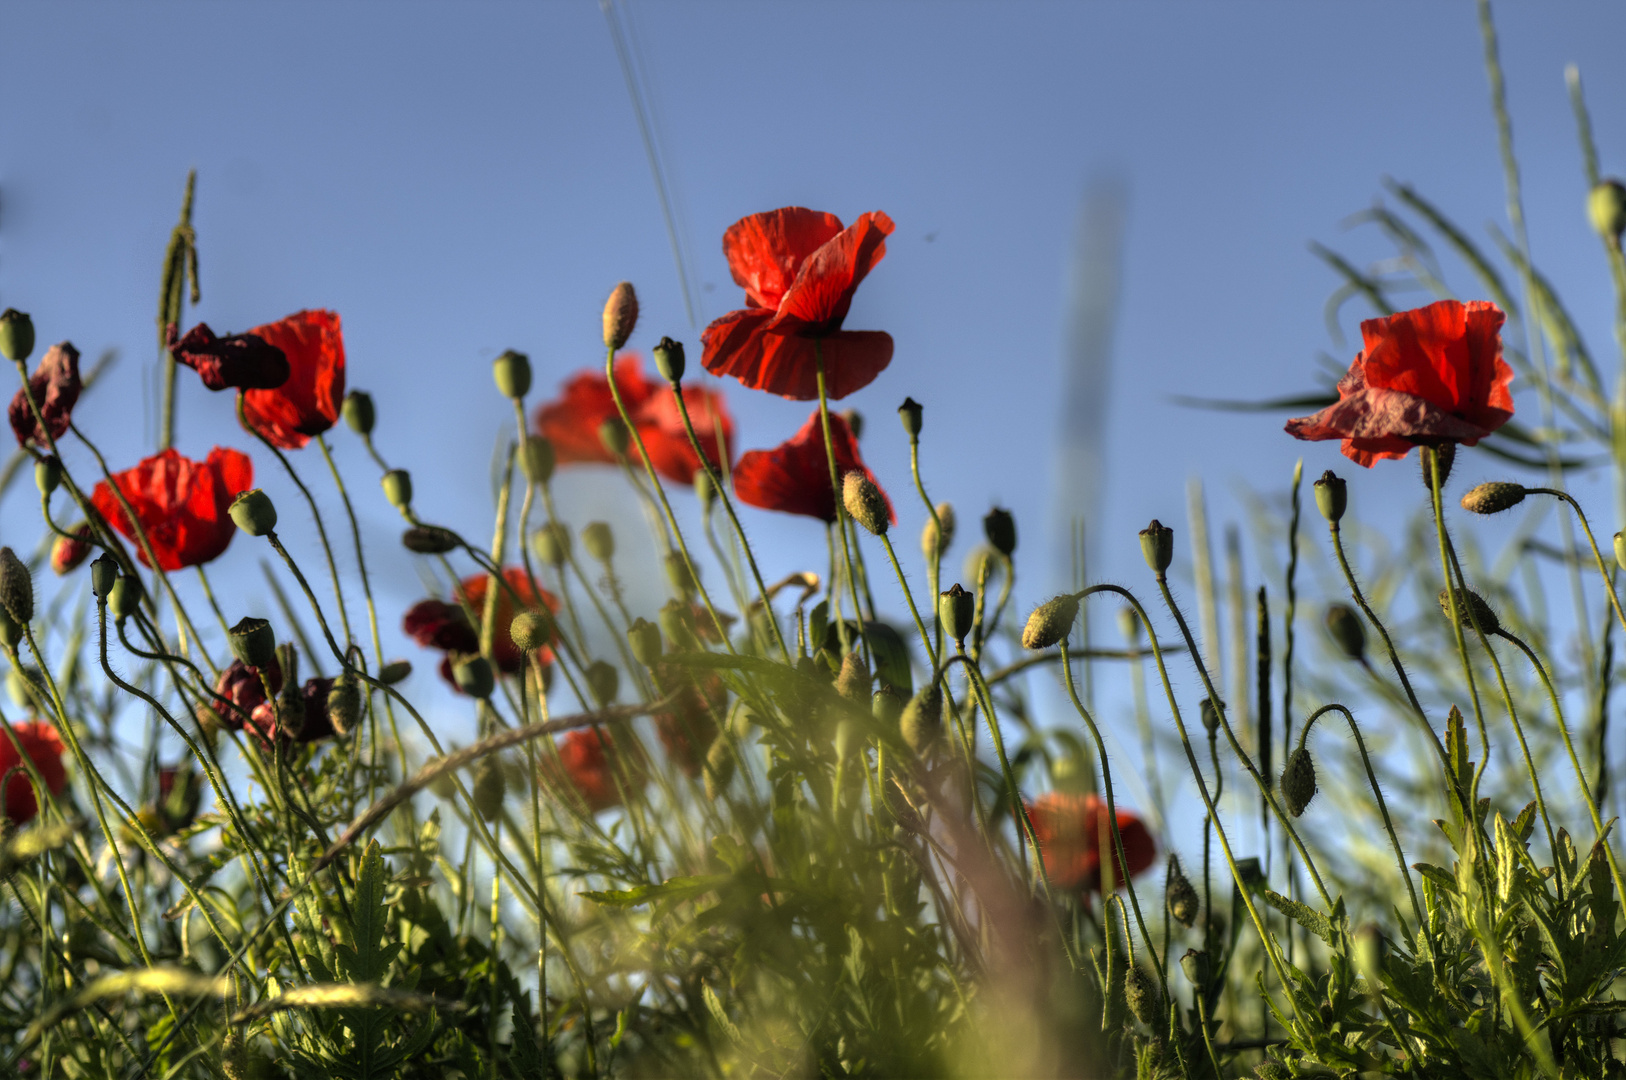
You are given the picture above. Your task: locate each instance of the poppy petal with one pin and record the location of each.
(817, 301)
(794, 477)
(765, 251)
(308, 403)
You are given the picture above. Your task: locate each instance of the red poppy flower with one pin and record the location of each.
(436, 624)
(55, 386)
(585, 761)
(269, 726)
(799, 269)
(68, 552)
(240, 685)
(794, 477)
(1073, 832)
(308, 402)
(182, 504)
(241, 361)
(688, 728)
(43, 746)
(572, 420)
(1427, 377)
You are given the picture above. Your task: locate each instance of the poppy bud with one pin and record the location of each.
(537, 459)
(848, 736)
(16, 335)
(704, 491)
(124, 597)
(1606, 206)
(1331, 496)
(719, 769)
(1210, 716)
(680, 574)
(1050, 622)
(956, 608)
(253, 642)
(853, 681)
(394, 671)
(429, 540)
(16, 587)
(489, 789)
(1181, 895)
(922, 721)
(929, 545)
(398, 488)
(1157, 545)
(104, 571)
(1493, 497)
(677, 622)
(551, 543)
(344, 703)
(1144, 998)
(1298, 781)
(1195, 965)
(512, 372)
(254, 513)
(531, 629)
(67, 552)
(1471, 608)
(864, 502)
(886, 706)
(613, 434)
(1271, 1069)
(599, 540)
(359, 412)
(11, 633)
(1129, 624)
(911, 413)
(603, 683)
(644, 637)
(1447, 453)
(669, 359)
(47, 474)
(620, 315)
(1000, 529)
(1346, 630)
(473, 675)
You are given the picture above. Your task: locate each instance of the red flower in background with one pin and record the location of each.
(436, 624)
(241, 361)
(43, 746)
(308, 402)
(687, 729)
(585, 761)
(1073, 832)
(794, 477)
(55, 386)
(1429, 376)
(799, 269)
(572, 420)
(182, 504)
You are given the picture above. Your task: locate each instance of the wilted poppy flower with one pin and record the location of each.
(308, 403)
(43, 746)
(240, 361)
(1427, 377)
(799, 269)
(571, 421)
(67, 552)
(55, 386)
(687, 728)
(273, 722)
(586, 762)
(794, 477)
(445, 626)
(1073, 832)
(242, 686)
(182, 504)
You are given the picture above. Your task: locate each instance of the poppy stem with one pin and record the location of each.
(1603, 569)
(1451, 594)
(840, 503)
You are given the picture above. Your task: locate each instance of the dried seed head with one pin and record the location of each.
(864, 502)
(615, 437)
(603, 683)
(1471, 608)
(853, 681)
(911, 413)
(1447, 453)
(489, 789)
(669, 359)
(1344, 625)
(620, 315)
(1493, 497)
(1144, 997)
(1000, 529)
(429, 540)
(537, 459)
(1181, 895)
(956, 608)
(512, 373)
(1331, 496)
(921, 724)
(645, 639)
(599, 540)
(16, 587)
(551, 542)
(531, 629)
(1157, 545)
(254, 513)
(16, 335)
(1606, 207)
(1050, 622)
(929, 543)
(253, 642)
(398, 488)
(1298, 781)
(344, 703)
(473, 675)
(359, 413)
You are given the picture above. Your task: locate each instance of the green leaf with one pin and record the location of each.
(1441, 877)
(524, 1054)
(719, 1014)
(1307, 917)
(673, 889)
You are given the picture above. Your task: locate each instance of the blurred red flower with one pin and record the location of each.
(794, 477)
(43, 746)
(1428, 376)
(67, 552)
(182, 504)
(585, 760)
(308, 402)
(242, 686)
(437, 624)
(799, 269)
(270, 727)
(241, 361)
(571, 421)
(687, 729)
(55, 386)
(1073, 832)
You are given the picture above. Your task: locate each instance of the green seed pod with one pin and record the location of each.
(398, 488)
(890, 652)
(124, 597)
(47, 474)
(531, 629)
(620, 315)
(679, 573)
(254, 513)
(1493, 497)
(886, 706)
(1050, 622)
(1298, 781)
(719, 768)
(344, 703)
(956, 608)
(253, 642)
(865, 503)
(16, 335)
(615, 437)
(921, 724)
(911, 413)
(1331, 496)
(855, 422)
(551, 542)
(645, 639)
(1471, 608)
(1144, 997)
(394, 671)
(1000, 529)
(359, 413)
(603, 683)
(599, 541)
(669, 359)
(1157, 545)
(512, 372)
(929, 541)
(677, 623)
(489, 789)
(537, 459)
(430, 540)
(853, 681)
(1181, 895)
(1344, 625)
(474, 676)
(1210, 716)
(16, 587)
(104, 571)
(1447, 453)
(1606, 207)
(1195, 965)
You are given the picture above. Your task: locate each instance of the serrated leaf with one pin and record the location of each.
(524, 1055)
(1307, 917)
(674, 889)
(715, 1006)
(1440, 876)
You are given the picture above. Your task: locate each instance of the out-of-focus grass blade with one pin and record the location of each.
(1282, 404)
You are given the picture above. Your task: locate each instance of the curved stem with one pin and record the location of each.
(1608, 580)
(841, 508)
(1472, 795)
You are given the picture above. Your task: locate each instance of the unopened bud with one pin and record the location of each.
(489, 789)
(1000, 529)
(1345, 628)
(1129, 624)
(104, 571)
(1606, 207)
(1331, 496)
(1447, 453)
(886, 706)
(1143, 996)
(704, 490)
(473, 676)
(11, 632)
(603, 683)
(613, 434)
(16, 335)
(1298, 781)
(620, 315)
(344, 704)
(956, 608)
(680, 573)
(1210, 716)
(599, 541)
(67, 552)
(124, 597)
(1050, 622)
(669, 359)
(864, 502)
(644, 637)
(16, 587)
(394, 671)
(853, 681)
(531, 629)
(719, 768)
(253, 642)
(359, 413)
(398, 488)
(911, 413)
(1195, 965)
(551, 542)
(512, 373)
(1181, 895)
(537, 459)
(1493, 497)
(1157, 545)
(429, 540)
(254, 513)
(921, 724)
(677, 622)
(930, 544)
(47, 474)
(1471, 609)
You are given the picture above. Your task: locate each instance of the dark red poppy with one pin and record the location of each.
(301, 719)
(180, 794)
(799, 269)
(68, 552)
(571, 421)
(182, 504)
(308, 402)
(43, 746)
(689, 727)
(437, 624)
(1073, 832)
(55, 386)
(586, 761)
(240, 361)
(794, 477)
(242, 687)
(1427, 377)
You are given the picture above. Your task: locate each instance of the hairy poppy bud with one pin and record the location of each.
(669, 359)
(1344, 625)
(253, 642)
(16, 335)
(599, 540)
(551, 543)
(1331, 496)
(16, 587)
(429, 540)
(1447, 453)
(956, 608)
(254, 513)
(344, 703)
(613, 434)
(531, 629)
(124, 597)
(398, 488)
(47, 474)
(1157, 545)
(719, 769)
(473, 675)
(911, 413)
(677, 622)
(930, 544)
(922, 721)
(855, 422)
(537, 459)
(1271, 1069)
(1195, 965)
(864, 502)
(1493, 497)
(853, 681)
(620, 315)
(1471, 608)
(512, 372)
(1000, 529)
(1210, 716)
(644, 637)
(1144, 998)
(394, 671)
(67, 552)
(1050, 622)
(886, 706)
(489, 789)
(1298, 780)
(358, 412)
(104, 571)
(1181, 895)
(1606, 206)
(603, 683)
(680, 573)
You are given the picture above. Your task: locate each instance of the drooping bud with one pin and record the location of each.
(1210, 716)
(512, 373)
(930, 546)
(644, 637)
(1331, 496)
(864, 502)
(1447, 453)
(16, 335)
(1344, 625)
(620, 315)
(489, 789)
(615, 437)
(853, 681)
(669, 360)
(1157, 545)
(254, 513)
(104, 571)
(1471, 608)
(537, 459)
(680, 573)
(67, 552)
(551, 543)
(358, 412)
(429, 540)
(886, 706)
(124, 597)
(911, 413)
(1493, 497)
(1050, 622)
(16, 587)
(921, 724)
(253, 642)
(1144, 998)
(398, 488)
(1606, 207)
(855, 422)
(1195, 965)
(956, 608)
(599, 540)
(676, 619)
(719, 768)
(47, 474)
(1000, 529)
(531, 629)
(473, 675)
(1298, 781)
(603, 683)
(1181, 895)
(394, 671)
(344, 703)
